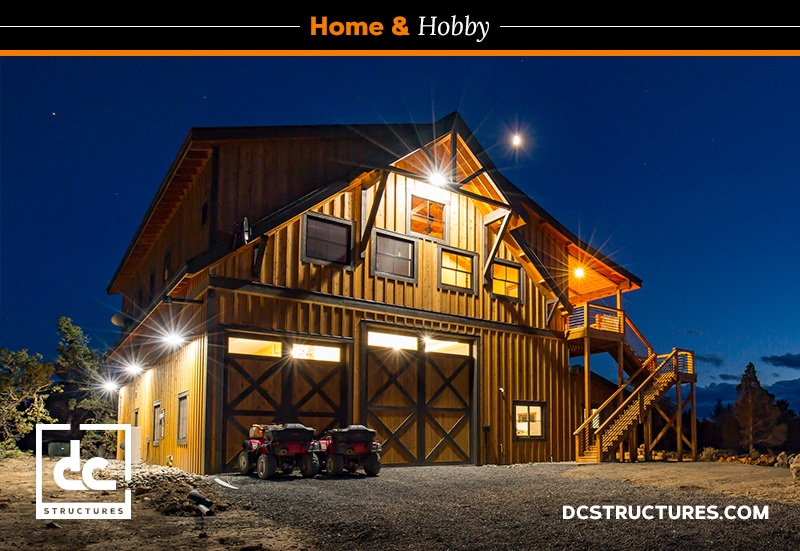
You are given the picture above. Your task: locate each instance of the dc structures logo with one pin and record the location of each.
(82, 509)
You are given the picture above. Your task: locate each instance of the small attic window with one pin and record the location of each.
(427, 217)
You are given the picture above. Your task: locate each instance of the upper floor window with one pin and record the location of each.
(394, 256)
(327, 240)
(507, 280)
(183, 417)
(427, 217)
(457, 269)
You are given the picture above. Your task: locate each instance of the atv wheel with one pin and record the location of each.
(244, 463)
(335, 465)
(309, 465)
(372, 464)
(266, 466)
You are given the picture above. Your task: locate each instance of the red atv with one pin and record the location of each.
(348, 449)
(273, 448)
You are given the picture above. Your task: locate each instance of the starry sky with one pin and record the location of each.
(683, 169)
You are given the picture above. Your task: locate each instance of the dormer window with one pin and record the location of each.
(506, 280)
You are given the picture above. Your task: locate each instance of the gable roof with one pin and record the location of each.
(447, 143)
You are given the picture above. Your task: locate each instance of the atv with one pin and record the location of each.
(348, 449)
(274, 448)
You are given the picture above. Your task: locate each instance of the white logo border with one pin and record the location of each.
(60, 510)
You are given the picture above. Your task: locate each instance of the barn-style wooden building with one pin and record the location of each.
(387, 275)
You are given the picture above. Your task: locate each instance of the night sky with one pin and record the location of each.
(682, 169)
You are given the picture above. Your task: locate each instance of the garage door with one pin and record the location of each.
(281, 382)
(418, 397)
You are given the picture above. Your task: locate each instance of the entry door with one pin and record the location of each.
(420, 404)
(281, 390)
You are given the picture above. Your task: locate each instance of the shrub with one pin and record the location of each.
(709, 454)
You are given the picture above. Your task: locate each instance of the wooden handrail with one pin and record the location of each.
(611, 398)
(635, 393)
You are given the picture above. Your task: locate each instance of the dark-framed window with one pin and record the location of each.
(506, 280)
(327, 240)
(427, 217)
(183, 417)
(457, 269)
(158, 423)
(529, 420)
(394, 256)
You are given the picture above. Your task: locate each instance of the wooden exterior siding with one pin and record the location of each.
(527, 367)
(282, 265)
(181, 371)
(184, 237)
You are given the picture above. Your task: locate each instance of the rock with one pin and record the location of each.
(52, 524)
(782, 460)
(795, 469)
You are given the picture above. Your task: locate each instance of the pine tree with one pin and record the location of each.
(757, 413)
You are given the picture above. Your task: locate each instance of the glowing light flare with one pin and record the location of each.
(174, 339)
(437, 178)
(579, 272)
(109, 386)
(134, 368)
(516, 140)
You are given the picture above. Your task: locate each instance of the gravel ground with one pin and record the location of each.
(517, 507)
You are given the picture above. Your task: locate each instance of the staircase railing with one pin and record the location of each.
(603, 430)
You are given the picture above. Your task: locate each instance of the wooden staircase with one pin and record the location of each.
(651, 377)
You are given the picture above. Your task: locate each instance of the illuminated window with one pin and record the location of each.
(394, 257)
(327, 240)
(506, 280)
(437, 346)
(183, 417)
(391, 340)
(427, 217)
(456, 270)
(254, 347)
(317, 352)
(529, 420)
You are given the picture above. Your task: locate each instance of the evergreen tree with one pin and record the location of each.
(757, 413)
(25, 383)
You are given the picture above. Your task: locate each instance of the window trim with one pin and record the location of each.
(413, 241)
(158, 423)
(529, 404)
(333, 220)
(183, 395)
(445, 206)
(462, 252)
(509, 264)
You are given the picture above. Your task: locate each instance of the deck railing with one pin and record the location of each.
(595, 316)
(612, 420)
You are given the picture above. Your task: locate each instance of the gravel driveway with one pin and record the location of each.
(516, 507)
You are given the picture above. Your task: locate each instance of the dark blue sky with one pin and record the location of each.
(683, 169)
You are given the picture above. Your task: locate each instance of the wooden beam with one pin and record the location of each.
(373, 213)
(450, 187)
(496, 245)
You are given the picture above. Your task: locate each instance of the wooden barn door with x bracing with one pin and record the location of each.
(418, 399)
(288, 388)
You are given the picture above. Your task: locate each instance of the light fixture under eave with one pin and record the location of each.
(579, 271)
(436, 178)
(134, 369)
(110, 386)
(173, 339)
